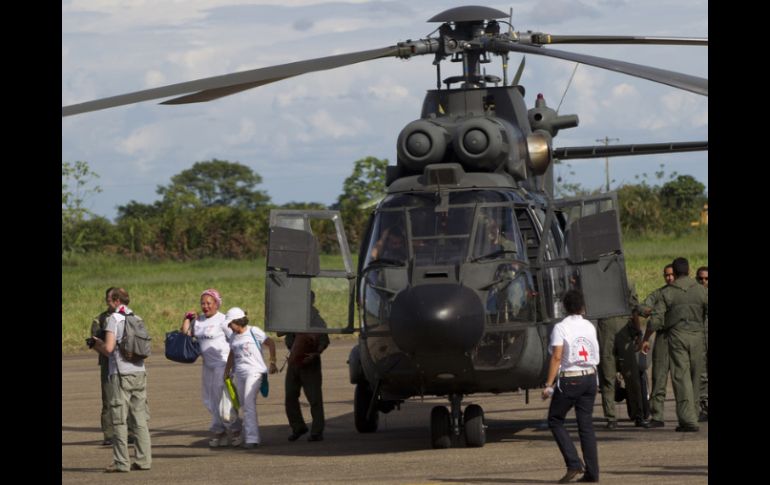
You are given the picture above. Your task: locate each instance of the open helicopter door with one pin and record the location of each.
(294, 268)
(594, 252)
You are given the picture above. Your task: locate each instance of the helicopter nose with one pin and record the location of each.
(437, 317)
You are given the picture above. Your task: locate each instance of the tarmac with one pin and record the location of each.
(519, 447)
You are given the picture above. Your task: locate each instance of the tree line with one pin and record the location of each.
(216, 209)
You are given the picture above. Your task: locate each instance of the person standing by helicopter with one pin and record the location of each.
(681, 311)
(213, 334)
(304, 373)
(702, 277)
(619, 337)
(660, 360)
(574, 352)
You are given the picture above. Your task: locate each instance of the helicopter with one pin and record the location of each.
(464, 261)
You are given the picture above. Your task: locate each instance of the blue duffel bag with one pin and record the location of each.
(181, 347)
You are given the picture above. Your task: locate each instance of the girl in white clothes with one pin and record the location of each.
(212, 333)
(246, 356)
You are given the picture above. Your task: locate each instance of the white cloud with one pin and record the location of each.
(389, 92)
(323, 121)
(246, 133)
(153, 78)
(325, 124)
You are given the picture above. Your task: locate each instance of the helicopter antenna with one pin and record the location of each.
(569, 83)
(505, 55)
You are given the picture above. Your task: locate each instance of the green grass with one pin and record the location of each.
(161, 292)
(645, 258)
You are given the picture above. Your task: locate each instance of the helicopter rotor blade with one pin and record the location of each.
(218, 86)
(687, 82)
(519, 71)
(602, 151)
(539, 38)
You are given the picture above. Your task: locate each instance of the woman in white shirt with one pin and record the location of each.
(574, 355)
(246, 356)
(210, 329)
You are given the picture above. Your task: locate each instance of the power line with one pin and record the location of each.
(606, 142)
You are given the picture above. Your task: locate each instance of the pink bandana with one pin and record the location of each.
(213, 294)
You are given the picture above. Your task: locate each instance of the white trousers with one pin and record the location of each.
(248, 389)
(212, 384)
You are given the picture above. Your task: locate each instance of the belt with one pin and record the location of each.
(575, 373)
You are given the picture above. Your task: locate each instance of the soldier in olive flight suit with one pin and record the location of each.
(681, 311)
(660, 360)
(618, 337)
(702, 277)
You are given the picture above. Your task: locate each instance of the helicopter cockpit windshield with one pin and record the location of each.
(474, 226)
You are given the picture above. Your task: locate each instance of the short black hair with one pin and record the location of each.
(681, 267)
(241, 322)
(702, 268)
(573, 302)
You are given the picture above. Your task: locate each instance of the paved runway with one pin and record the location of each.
(519, 448)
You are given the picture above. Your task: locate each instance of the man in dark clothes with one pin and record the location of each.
(304, 372)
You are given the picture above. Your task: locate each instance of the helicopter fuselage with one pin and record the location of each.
(455, 309)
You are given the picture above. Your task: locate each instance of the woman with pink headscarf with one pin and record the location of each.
(213, 334)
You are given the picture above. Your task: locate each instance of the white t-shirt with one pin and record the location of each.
(212, 334)
(116, 323)
(578, 337)
(247, 355)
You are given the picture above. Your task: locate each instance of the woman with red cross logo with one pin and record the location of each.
(574, 352)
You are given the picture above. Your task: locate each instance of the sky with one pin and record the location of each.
(302, 135)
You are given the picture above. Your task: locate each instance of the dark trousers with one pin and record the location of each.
(309, 379)
(106, 413)
(578, 392)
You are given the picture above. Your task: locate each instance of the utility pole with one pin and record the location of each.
(607, 141)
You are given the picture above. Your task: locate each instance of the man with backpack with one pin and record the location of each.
(126, 344)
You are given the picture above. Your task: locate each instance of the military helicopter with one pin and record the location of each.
(464, 261)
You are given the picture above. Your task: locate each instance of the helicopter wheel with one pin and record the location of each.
(361, 401)
(440, 427)
(475, 431)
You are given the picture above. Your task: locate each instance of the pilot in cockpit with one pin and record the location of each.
(391, 245)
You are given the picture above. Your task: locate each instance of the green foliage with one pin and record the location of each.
(215, 183)
(162, 291)
(640, 209)
(683, 199)
(76, 187)
(365, 184)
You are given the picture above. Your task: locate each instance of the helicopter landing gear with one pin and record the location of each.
(363, 400)
(445, 426)
(475, 434)
(440, 429)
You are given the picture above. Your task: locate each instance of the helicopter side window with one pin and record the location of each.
(497, 235)
(388, 242)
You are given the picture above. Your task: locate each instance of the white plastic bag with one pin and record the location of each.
(227, 411)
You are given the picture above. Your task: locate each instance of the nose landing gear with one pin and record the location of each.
(445, 427)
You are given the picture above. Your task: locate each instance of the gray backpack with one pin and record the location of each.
(136, 344)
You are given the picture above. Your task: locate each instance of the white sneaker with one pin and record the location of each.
(236, 440)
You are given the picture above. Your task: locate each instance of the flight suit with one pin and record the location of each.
(617, 347)
(306, 376)
(704, 378)
(660, 362)
(97, 330)
(681, 311)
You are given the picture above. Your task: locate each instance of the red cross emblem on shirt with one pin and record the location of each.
(583, 353)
